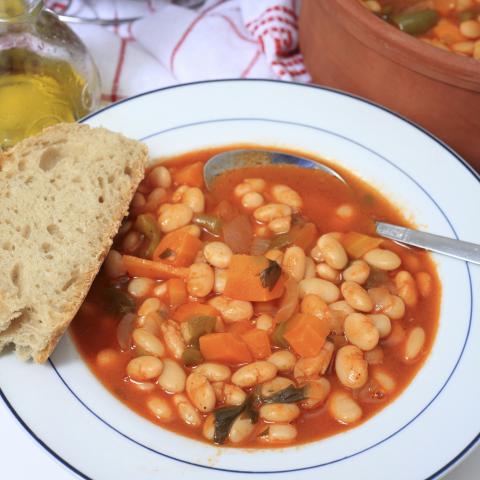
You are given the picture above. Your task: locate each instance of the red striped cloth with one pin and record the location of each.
(172, 44)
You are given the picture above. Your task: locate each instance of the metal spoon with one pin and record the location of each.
(234, 159)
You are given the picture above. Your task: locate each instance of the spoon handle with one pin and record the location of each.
(436, 243)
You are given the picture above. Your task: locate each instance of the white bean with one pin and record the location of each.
(294, 262)
(173, 338)
(200, 392)
(350, 366)
(326, 290)
(147, 343)
(214, 372)
(332, 252)
(356, 296)
(218, 254)
(279, 433)
(241, 429)
(312, 367)
(414, 343)
(382, 259)
(286, 195)
(252, 200)
(160, 407)
(200, 280)
(279, 412)
(343, 408)
(275, 385)
(358, 271)
(360, 331)
(187, 411)
(271, 211)
(254, 373)
(195, 199)
(174, 216)
(284, 360)
(173, 377)
(160, 177)
(382, 324)
(316, 392)
(144, 368)
(232, 310)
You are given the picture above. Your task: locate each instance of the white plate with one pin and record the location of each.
(421, 435)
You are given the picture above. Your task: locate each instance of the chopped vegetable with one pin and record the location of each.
(140, 267)
(238, 328)
(177, 248)
(282, 240)
(377, 278)
(225, 210)
(191, 175)
(305, 236)
(119, 302)
(177, 291)
(258, 342)
(209, 222)
(416, 23)
(201, 325)
(238, 234)
(224, 347)
(270, 275)
(278, 335)
(147, 225)
(259, 246)
(194, 309)
(289, 302)
(245, 280)
(192, 356)
(290, 394)
(357, 244)
(124, 330)
(306, 334)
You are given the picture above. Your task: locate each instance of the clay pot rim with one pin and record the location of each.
(410, 52)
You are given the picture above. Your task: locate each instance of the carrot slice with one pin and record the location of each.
(258, 342)
(239, 328)
(244, 279)
(177, 291)
(191, 175)
(305, 236)
(194, 309)
(357, 244)
(306, 334)
(139, 267)
(224, 347)
(444, 7)
(177, 248)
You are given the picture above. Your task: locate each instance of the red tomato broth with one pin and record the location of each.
(94, 329)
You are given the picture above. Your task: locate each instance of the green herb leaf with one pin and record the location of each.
(167, 253)
(224, 418)
(290, 394)
(119, 302)
(264, 433)
(269, 277)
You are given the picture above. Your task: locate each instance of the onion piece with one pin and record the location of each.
(289, 302)
(238, 234)
(124, 330)
(259, 246)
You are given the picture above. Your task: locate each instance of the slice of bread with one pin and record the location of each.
(63, 195)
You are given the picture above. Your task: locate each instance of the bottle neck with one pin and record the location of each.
(19, 11)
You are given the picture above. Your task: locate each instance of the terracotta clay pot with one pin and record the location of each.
(347, 47)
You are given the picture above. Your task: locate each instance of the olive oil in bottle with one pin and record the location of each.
(46, 73)
(36, 92)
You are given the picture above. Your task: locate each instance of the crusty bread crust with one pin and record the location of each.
(28, 316)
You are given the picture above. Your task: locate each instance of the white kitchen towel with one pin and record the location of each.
(171, 44)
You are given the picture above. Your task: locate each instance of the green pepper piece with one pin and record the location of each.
(119, 302)
(277, 335)
(192, 356)
(201, 325)
(147, 225)
(416, 23)
(209, 222)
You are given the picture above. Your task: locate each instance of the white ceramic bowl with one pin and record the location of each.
(420, 435)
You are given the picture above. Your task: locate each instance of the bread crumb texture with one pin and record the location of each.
(64, 194)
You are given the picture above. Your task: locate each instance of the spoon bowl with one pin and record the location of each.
(234, 159)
